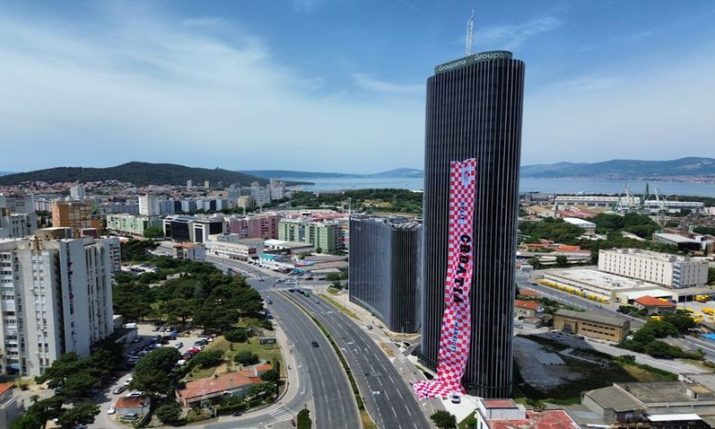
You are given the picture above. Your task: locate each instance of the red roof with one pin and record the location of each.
(549, 419)
(498, 403)
(649, 301)
(126, 402)
(529, 305)
(213, 385)
(4, 387)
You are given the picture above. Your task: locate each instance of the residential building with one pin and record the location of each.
(167, 207)
(17, 225)
(56, 298)
(75, 215)
(232, 383)
(506, 414)
(149, 205)
(132, 407)
(261, 194)
(190, 251)
(264, 226)
(77, 192)
(189, 184)
(17, 203)
(659, 268)
(10, 405)
(474, 110)
(654, 305)
(132, 224)
(277, 189)
(322, 235)
(384, 270)
(597, 325)
(527, 309)
(245, 202)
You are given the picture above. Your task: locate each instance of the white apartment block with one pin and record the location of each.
(653, 267)
(17, 225)
(56, 297)
(149, 205)
(77, 192)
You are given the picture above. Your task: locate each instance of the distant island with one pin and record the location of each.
(137, 173)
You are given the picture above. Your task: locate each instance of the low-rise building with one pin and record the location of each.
(190, 251)
(591, 324)
(506, 414)
(229, 245)
(588, 227)
(526, 309)
(681, 241)
(233, 383)
(132, 407)
(654, 305)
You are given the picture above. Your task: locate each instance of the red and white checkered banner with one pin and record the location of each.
(455, 333)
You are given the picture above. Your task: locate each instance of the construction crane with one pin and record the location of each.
(660, 219)
(470, 34)
(629, 204)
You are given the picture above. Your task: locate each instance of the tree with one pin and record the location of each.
(271, 375)
(154, 232)
(208, 359)
(169, 412)
(246, 358)
(318, 250)
(682, 322)
(82, 413)
(304, 421)
(444, 420)
(562, 261)
(27, 421)
(535, 262)
(711, 276)
(661, 349)
(238, 335)
(153, 373)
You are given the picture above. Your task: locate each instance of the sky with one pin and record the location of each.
(339, 85)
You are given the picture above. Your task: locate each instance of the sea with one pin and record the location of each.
(551, 185)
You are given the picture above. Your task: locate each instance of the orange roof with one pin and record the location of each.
(498, 403)
(529, 305)
(649, 301)
(256, 370)
(130, 402)
(4, 387)
(211, 385)
(549, 419)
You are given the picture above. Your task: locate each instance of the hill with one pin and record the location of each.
(624, 168)
(5, 173)
(138, 173)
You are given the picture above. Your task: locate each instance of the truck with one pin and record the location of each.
(702, 298)
(709, 311)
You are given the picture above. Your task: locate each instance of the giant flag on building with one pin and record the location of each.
(455, 333)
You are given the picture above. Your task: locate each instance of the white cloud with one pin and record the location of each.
(510, 36)
(369, 83)
(155, 90)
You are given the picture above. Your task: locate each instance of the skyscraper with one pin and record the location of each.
(474, 110)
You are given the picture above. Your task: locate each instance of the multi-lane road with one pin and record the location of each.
(388, 398)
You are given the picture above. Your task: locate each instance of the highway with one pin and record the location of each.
(388, 398)
(326, 384)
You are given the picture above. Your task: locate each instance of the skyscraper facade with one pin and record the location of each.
(474, 110)
(384, 270)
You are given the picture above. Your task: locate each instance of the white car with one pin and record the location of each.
(111, 410)
(456, 399)
(128, 380)
(135, 394)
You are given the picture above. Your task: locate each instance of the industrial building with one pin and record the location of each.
(474, 110)
(600, 326)
(384, 270)
(659, 268)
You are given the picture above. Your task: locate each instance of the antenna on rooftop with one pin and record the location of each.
(470, 33)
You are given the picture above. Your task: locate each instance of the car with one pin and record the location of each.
(179, 345)
(136, 340)
(135, 394)
(237, 413)
(269, 302)
(309, 278)
(261, 280)
(317, 301)
(128, 381)
(455, 398)
(129, 416)
(119, 389)
(291, 290)
(111, 410)
(155, 329)
(314, 344)
(201, 342)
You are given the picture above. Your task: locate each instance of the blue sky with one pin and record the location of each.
(331, 85)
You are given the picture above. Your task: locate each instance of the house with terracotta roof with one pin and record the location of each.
(10, 406)
(654, 305)
(506, 414)
(233, 383)
(134, 406)
(527, 309)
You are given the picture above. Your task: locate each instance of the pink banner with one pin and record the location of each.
(455, 333)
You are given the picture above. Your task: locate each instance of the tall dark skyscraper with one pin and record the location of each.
(474, 110)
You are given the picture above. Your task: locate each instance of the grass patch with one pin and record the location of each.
(366, 420)
(339, 306)
(333, 291)
(265, 352)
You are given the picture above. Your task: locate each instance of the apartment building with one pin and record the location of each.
(74, 214)
(16, 225)
(660, 268)
(323, 235)
(260, 226)
(149, 205)
(131, 224)
(56, 297)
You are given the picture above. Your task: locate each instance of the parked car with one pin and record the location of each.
(314, 344)
(111, 410)
(135, 394)
(456, 399)
(128, 381)
(119, 389)
(179, 345)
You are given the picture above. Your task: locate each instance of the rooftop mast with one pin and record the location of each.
(470, 34)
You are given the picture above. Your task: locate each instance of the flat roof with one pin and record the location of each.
(600, 279)
(674, 238)
(673, 417)
(593, 316)
(613, 397)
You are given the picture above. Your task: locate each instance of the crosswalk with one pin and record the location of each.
(281, 414)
